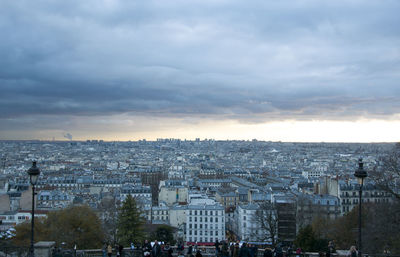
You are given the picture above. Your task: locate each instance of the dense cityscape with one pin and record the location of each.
(199, 128)
(206, 190)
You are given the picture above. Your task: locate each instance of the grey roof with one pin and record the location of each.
(242, 190)
(205, 207)
(214, 180)
(250, 206)
(261, 197)
(227, 194)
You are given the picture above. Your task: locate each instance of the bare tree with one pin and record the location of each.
(385, 216)
(386, 173)
(108, 212)
(304, 212)
(266, 218)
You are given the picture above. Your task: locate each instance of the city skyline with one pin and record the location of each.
(293, 71)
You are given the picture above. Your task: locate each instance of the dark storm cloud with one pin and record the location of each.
(261, 60)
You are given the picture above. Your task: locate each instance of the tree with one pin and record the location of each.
(305, 238)
(266, 218)
(322, 226)
(108, 212)
(130, 222)
(385, 217)
(79, 225)
(344, 229)
(74, 225)
(304, 211)
(381, 229)
(23, 232)
(164, 233)
(386, 173)
(308, 240)
(381, 226)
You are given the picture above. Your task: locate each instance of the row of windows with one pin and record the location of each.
(230, 202)
(160, 218)
(47, 198)
(205, 219)
(136, 195)
(355, 201)
(201, 226)
(160, 212)
(200, 239)
(347, 208)
(201, 233)
(205, 212)
(372, 194)
(230, 198)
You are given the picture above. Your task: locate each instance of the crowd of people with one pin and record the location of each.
(222, 249)
(146, 249)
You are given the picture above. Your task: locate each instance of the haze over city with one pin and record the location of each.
(128, 70)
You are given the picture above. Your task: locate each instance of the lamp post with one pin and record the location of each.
(33, 173)
(360, 174)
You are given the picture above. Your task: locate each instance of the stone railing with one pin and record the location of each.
(48, 249)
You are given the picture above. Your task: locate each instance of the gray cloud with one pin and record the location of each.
(229, 59)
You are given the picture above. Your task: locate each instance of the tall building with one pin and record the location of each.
(205, 223)
(286, 210)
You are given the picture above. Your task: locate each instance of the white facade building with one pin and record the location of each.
(205, 223)
(160, 214)
(247, 228)
(177, 216)
(245, 223)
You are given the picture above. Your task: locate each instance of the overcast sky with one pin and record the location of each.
(123, 70)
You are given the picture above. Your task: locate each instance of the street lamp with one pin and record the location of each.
(33, 173)
(360, 174)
